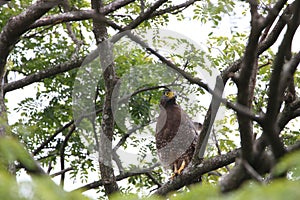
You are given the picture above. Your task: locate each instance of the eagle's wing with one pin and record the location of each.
(175, 136)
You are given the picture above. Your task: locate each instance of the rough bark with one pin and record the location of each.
(246, 84)
(106, 135)
(270, 127)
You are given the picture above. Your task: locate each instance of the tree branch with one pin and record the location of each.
(62, 153)
(173, 8)
(273, 12)
(47, 141)
(288, 73)
(196, 171)
(125, 98)
(143, 16)
(61, 172)
(89, 14)
(47, 73)
(128, 134)
(271, 131)
(79, 15)
(154, 180)
(289, 112)
(274, 34)
(107, 121)
(254, 174)
(262, 165)
(19, 24)
(120, 177)
(246, 83)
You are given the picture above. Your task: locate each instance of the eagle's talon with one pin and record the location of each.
(175, 172)
(181, 167)
(173, 176)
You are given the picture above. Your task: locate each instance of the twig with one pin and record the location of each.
(252, 172)
(117, 159)
(128, 134)
(49, 167)
(61, 172)
(218, 146)
(155, 181)
(118, 178)
(62, 153)
(77, 42)
(47, 141)
(125, 98)
(170, 9)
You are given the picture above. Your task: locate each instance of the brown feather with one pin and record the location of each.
(175, 135)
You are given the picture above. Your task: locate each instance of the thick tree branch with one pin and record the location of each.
(79, 15)
(47, 73)
(90, 14)
(195, 172)
(288, 72)
(246, 83)
(289, 112)
(19, 24)
(273, 12)
(271, 130)
(262, 165)
(34, 169)
(274, 34)
(107, 121)
(10, 35)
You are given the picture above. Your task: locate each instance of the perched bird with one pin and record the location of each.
(176, 135)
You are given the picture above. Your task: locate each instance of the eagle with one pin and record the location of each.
(176, 135)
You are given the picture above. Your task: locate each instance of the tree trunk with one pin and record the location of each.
(106, 135)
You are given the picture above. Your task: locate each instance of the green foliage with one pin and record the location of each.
(279, 189)
(44, 188)
(290, 163)
(52, 105)
(212, 11)
(11, 150)
(41, 187)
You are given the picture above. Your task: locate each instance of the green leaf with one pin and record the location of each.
(288, 162)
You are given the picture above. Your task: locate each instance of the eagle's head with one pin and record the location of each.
(168, 98)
